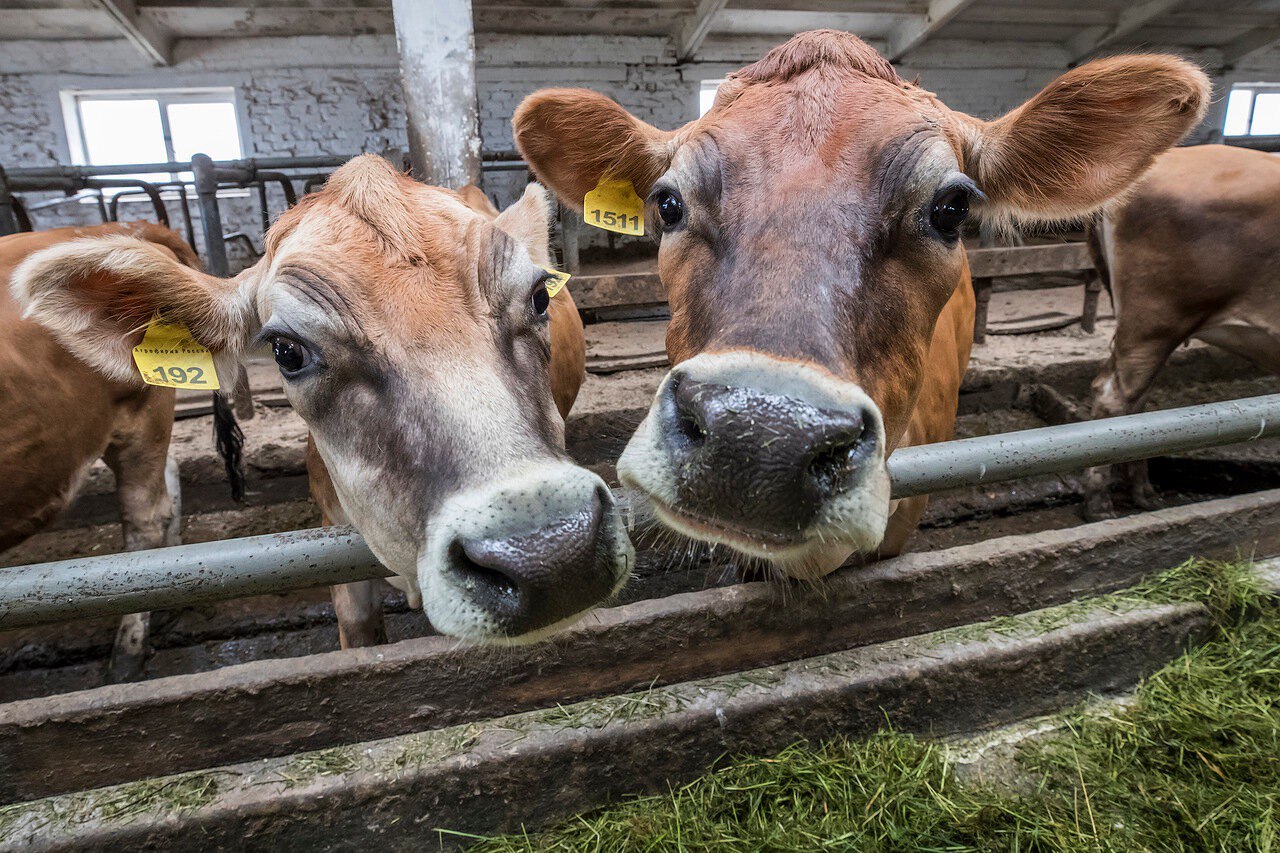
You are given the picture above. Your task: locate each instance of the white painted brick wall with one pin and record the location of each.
(316, 95)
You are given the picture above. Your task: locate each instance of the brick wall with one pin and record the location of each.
(317, 95)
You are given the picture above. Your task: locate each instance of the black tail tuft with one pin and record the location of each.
(229, 439)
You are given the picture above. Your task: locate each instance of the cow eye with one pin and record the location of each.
(950, 210)
(670, 208)
(540, 300)
(290, 355)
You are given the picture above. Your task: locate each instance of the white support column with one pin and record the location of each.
(152, 41)
(438, 70)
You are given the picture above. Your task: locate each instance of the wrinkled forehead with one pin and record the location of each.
(822, 131)
(390, 266)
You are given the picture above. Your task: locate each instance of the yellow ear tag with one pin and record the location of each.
(558, 280)
(614, 206)
(170, 357)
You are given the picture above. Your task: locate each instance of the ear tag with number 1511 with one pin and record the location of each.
(170, 357)
(614, 206)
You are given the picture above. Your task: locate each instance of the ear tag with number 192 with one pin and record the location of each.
(170, 357)
(614, 206)
(556, 281)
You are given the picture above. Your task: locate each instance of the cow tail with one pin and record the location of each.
(229, 439)
(1093, 236)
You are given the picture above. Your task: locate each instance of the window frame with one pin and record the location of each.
(1254, 90)
(164, 96)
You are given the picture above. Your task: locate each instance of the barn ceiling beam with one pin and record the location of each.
(693, 31)
(1236, 50)
(1129, 21)
(155, 43)
(917, 29)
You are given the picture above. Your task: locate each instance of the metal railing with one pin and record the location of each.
(196, 574)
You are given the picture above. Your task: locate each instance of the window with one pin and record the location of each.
(1253, 109)
(106, 128)
(707, 95)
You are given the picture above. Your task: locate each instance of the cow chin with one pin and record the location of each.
(781, 462)
(514, 561)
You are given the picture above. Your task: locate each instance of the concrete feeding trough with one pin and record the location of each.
(398, 739)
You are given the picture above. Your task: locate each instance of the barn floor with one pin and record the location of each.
(56, 659)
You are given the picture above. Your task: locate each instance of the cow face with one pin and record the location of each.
(411, 335)
(809, 237)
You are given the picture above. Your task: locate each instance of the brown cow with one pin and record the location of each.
(809, 239)
(1192, 252)
(359, 605)
(412, 335)
(58, 416)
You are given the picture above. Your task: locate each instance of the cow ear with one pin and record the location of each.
(529, 222)
(1086, 137)
(574, 137)
(98, 295)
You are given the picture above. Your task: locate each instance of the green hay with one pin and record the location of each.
(121, 804)
(1192, 764)
(304, 768)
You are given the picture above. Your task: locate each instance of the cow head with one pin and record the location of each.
(809, 237)
(411, 334)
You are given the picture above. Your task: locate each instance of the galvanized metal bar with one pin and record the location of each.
(182, 576)
(212, 571)
(1050, 450)
(492, 160)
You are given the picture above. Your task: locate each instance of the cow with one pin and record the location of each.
(412, 336)
(808, 234)
(58, 416)
(1192, 252)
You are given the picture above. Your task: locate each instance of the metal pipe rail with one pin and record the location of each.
(196, 574)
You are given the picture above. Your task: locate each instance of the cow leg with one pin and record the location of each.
(147, 491)
(359, 609)
(1136, 359)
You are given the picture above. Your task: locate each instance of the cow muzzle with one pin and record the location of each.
(778, 460)
(516, 562)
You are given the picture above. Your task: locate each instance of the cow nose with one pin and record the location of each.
(529, 580)
(762, 461)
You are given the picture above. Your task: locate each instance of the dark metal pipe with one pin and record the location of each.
(206, 181)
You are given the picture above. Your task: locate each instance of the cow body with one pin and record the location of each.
(1192, 252)
(417, 339)
(58, 416)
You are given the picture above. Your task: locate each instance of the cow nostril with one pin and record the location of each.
(690, 428)
(832, 466)
(687, 417)
(490, 585)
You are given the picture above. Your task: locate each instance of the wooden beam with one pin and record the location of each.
(155, 43)
(438, 69)
(693, 32)
(1236, 50)
(1129, 21)
(917, 29)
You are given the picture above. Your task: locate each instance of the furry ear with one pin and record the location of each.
(1086, 137)
(529, 222)
(574, 137)
(97, 296)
